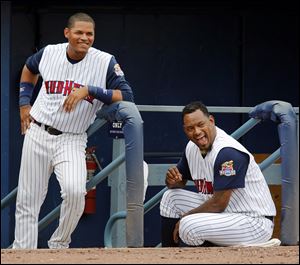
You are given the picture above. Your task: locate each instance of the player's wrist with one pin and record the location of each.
(104, 95)
(25, 106)
(25, 94)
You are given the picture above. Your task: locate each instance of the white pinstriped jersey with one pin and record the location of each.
(253, 200)
(59, 77)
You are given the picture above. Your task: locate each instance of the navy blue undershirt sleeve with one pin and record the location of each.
(230, 169)
(183, 168)
(116, 80)
(33, 62)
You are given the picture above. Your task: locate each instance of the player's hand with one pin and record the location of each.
(173, 176)
(25, 118)
(74, 97)
(176, 232)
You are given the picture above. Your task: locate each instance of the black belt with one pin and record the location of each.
(48, 128)
(270, 218)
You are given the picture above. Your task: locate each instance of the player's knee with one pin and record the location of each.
(130, 113)
(169, 196)
(73, 194)
(187, 234)
(167, 203)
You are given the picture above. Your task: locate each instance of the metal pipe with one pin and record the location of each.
(122, 215)
(270, 160)
(9, 198)
(247, 126)
(154, 200)
(108, 227)
(97, 124)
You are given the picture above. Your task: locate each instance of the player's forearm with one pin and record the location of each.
(216, 204)
(208, 207)
(27, 82)
(107, 96)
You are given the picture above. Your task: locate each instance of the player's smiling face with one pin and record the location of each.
(81, 37)
(200, 129)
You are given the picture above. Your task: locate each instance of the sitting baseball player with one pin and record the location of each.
(233, 205)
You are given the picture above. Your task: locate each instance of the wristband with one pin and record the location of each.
(26, 90)
(104, 95)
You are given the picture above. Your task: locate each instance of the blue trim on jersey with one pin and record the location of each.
(33, 62)
(115, 81)
(183, 168)
(230, 169)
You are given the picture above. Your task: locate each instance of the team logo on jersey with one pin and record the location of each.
(64, 88)
(204, 186)
(227, 169)
(118, 70)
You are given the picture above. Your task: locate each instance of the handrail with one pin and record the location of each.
(270, 160)
(98, 123)
(122, 215)
(162, 108)
(247, 126)
(9, 198)
(215, 109)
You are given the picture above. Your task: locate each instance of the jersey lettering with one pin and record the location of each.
(65, 88)
(204, 186)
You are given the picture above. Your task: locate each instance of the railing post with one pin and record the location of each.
(117, 182)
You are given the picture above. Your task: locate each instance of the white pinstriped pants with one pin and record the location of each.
(223, 229)
(42, 154)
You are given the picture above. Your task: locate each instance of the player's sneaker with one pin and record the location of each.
(274, 242)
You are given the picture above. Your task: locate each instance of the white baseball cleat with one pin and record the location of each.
(274, 242)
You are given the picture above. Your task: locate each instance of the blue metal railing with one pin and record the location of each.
(119, 160)
(122, 215)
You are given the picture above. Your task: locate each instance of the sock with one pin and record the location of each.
(167, 228)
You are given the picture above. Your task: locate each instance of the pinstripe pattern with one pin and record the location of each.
(224, 229)
(242, 222)
(41, 153)
(255, 199)
(54, 66)
(64, 154)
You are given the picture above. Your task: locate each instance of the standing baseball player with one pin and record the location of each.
(77, 81)
(233, 205)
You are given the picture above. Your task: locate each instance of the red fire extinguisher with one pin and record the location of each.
(92, 164)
